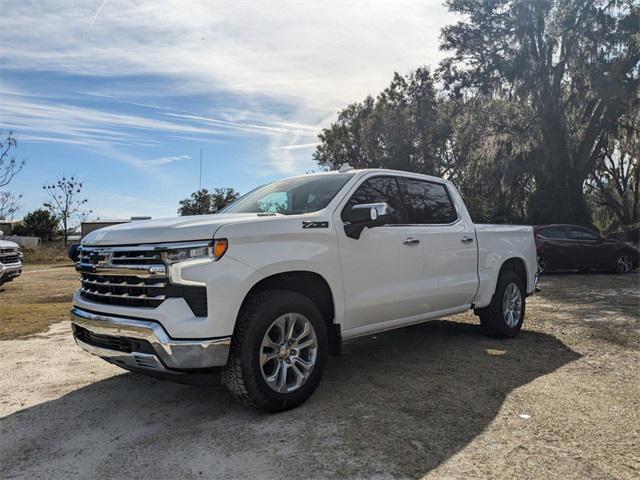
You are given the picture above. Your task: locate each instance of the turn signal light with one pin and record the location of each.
(219, 248)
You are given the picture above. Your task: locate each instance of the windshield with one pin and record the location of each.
(292, 196)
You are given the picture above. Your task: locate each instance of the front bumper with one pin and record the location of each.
(114, 339)
(10, 271)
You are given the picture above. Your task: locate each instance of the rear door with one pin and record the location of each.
(449, 242)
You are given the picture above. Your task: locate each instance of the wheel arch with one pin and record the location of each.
(518, 266)
(313, 286)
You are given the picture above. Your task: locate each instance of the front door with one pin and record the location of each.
(383, 270)
(587, 246)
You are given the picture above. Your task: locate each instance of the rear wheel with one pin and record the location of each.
(278, 351)
(504, 316)
(624, 263)
(542, 265)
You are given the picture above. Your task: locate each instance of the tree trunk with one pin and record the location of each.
(559, 196)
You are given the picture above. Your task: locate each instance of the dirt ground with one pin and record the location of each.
(438, 400)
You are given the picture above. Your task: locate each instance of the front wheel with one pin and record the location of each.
(278, 351)
(504, 316)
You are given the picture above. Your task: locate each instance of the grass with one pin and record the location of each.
(48, 253)
(38, 298)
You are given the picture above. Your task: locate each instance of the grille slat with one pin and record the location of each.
(123, 283)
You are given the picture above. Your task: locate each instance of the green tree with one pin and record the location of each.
(614, 187)
(574, 63)
(491, 151)
(203, 203)
(401, 129)
(39, 223)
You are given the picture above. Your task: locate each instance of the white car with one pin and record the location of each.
(10, 260)
(263, 291)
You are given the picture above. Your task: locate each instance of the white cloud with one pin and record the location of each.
(165, 160)
(299, 146)
(321, 54)
(315, 57)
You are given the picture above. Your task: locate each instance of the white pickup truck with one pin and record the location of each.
(263, 291)
(10, 260)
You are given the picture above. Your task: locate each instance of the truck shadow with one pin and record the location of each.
(396, 404)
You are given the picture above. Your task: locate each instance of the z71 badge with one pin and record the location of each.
(312, 224)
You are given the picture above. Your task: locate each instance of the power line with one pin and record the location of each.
(200, 182)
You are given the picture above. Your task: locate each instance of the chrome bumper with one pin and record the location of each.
(170, 355)
(10, 269)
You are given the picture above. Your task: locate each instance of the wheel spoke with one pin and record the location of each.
(306, 344)
(292, 323)
(272, 380)
(306, 329)
(300, 376)
(281, 326)
(282, 379)
(303, 363)
(267, 356)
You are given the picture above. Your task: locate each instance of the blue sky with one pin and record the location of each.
(125, 93)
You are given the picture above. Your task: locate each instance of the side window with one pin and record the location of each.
(580, 234)
(377, 190)
(556, 233)
(427, 202)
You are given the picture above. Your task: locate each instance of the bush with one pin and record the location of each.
(39, 223)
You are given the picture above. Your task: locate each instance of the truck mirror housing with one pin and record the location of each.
(365, 215)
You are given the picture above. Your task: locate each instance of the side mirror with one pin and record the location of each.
(366, 215)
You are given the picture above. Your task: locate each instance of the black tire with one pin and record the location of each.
(624, 262)
(492, 319)
(542, 266)
(243, 375)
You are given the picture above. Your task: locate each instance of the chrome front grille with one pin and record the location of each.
(133, 276)
(129, 276)
(124, 290)
(9, 255)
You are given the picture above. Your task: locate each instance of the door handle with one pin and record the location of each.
(411, 241)
(467, 239)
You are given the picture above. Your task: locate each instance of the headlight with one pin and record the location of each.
(195, 251)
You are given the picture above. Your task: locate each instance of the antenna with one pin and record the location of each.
(200, 182)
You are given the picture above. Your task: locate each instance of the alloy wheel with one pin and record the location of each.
(624, 264)
(512, 305)
(542, 265)
(288, 352)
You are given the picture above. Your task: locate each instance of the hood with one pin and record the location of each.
(8, 244)
(179, 229)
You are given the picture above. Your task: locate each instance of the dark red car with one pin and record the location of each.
(570, 247)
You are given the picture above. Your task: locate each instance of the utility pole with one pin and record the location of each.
(200, 182)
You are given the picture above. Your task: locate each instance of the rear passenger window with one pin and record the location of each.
(377, 190)
(427, 202)
(580, 234)
(557, 233)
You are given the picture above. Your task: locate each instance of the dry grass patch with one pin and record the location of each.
(38, 298)
(47, 254)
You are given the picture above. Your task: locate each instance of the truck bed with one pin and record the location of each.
(497, 243)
